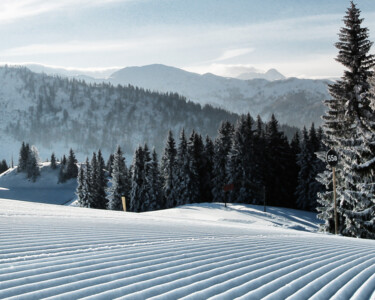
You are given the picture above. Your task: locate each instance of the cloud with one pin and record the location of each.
(228, 54)
(12, 10)
(73, 47)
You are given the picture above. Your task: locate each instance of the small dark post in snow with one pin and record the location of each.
(227, 188)
(333, 159)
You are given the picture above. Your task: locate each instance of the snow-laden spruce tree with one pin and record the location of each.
(349, 129)
(223, 143)
(206, 180)
(308, 187)
(22, 160)
(119, 182)
(168, 170)
(101, 182)
(83, 191)
(183, 178)
(80, 191)
(93, 181)
(241, 163)
(195, 150)
(154, 183)
(304, 162)
(32, 164)
(139, 201)
(71, 167)
(278, 158)
(53, 161)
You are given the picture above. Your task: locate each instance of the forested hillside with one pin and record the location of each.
(46, 110)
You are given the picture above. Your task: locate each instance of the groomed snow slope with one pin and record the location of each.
(192, 252)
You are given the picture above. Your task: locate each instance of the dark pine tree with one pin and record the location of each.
(169, 172)
(223, 144)
(119, 183)
(241, 163)
(3, 166)
(101, 182)
(349, 128)
(22, 160)
(53, 161)
(206, 180)
(278, 158)
(137, 192)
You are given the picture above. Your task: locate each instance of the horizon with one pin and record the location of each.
(226, 39)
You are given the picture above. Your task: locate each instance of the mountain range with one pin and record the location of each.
(294, 101)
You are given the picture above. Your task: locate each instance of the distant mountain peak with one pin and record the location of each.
(270, 75)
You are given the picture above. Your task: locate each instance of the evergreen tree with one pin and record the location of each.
(62, 171)
(3, 166)
(93, 182)
(278, 158)
(71, 167)
(183, 177)
(304, 160)
(110, 163)
(206, 180)
(195, 156)
(32, 164)
(349, 128)
(169, 172)
(80, 191)
(223, 144)
(138, 201)
(154, 183)
(119, 182)
(241, 162)
(53, 161)
(101, 182)
(22, 160)
(259, 161)
(295, 147)
(87, 199)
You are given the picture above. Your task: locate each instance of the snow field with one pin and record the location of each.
(191, 252)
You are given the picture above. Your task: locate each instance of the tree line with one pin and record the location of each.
(255, 157)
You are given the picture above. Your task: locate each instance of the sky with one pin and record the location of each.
(223, 37)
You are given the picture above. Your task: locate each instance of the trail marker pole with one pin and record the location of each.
(123, 202)
(334, 196)
(333, 159)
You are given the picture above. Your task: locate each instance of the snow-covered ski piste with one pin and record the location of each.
(194, 252)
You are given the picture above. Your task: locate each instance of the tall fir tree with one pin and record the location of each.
(119, 182)
(183, 178)
(80, 191)
(349, 128)
(138, 201)
(71, 166)
(154, 183)
(22, 160)
(195, 173)
(169, 172)
(206, 180)
(295, 147)
(241, 163)
(101, 182)
(223, 144)
(304, 161)
(32, 164)
(53, 161)
(3, 166)
(278, 158)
